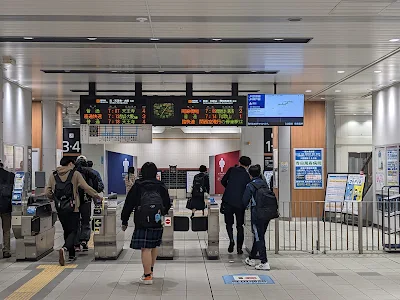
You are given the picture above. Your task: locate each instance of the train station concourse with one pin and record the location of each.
(200, 150)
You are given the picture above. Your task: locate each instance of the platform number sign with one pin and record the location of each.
(268, 141)
(72, 140)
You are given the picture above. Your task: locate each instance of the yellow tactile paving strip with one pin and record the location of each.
(33, 286)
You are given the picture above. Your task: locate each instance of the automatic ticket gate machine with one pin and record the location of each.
(33, 219)
(108, 236)
(166, 250)
(212, 241)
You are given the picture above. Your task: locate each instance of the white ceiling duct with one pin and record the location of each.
(158, 129)
(209, 130)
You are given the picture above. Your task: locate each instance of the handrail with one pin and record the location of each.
(369, 158)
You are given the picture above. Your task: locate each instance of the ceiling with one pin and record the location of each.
(152, 36)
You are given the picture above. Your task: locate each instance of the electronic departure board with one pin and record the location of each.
(198, 111)
(116, 110)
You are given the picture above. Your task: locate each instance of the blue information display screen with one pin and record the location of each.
(275, 110)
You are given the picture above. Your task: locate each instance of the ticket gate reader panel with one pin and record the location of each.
(166, 250)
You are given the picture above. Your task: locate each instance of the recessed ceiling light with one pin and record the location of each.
(378, 71)
(207, 71)
(160, 71)
(278, 40)
(73, 124)
(322, 98)
(295, 19)
(393, 80)
(28, 38)
(71, 103)
(365, 112)
(253, 71)
(92, 38)
(354, 114)
(77, 119)
(63, 112)
(370, 89)
(341, 72)
(67, 71)
(308, 91)
(338, 91)
(154, 39)
(394, 40)
(217, 40)
(33, 98)
(142, 19)
(114, 71)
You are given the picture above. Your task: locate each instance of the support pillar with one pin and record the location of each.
(330, 137)
(49, 149)
(284, 170)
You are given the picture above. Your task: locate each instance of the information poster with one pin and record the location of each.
(19, 158)
(354, 193)
(335, 192)
(392, 166)
(309, 168)
(8, 157)
(380, 159)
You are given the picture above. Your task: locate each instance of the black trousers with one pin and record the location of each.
(85, 211)
(259, 229)
(230, 213)
(70, 225)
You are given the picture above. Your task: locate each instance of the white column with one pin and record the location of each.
(330, 137)
(49, 147)
(252, 144)
(285, 174)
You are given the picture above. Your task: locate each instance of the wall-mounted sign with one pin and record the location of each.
(380, 174)
(71, 140)
(309, 168)
(392, 166)
(8, 160)
(268, 141)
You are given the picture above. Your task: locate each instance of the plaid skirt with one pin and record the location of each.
(147, 238)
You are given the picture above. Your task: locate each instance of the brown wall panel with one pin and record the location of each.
(59, 126)
(311, 135)
(37, 127)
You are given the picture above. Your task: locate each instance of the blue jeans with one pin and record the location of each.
(259, 230)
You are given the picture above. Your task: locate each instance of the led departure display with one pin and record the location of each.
(116, 110)
(199, 111)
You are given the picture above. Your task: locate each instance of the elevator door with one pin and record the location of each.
(357, 161)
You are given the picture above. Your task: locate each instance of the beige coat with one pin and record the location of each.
(77, 181)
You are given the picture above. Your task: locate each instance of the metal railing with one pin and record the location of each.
(354, 227)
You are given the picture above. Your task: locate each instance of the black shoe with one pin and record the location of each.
(85, 247)
(231, 246)
(6, 255)
(71, 259)
(239, 251)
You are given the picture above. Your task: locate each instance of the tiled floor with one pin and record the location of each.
(297, 276)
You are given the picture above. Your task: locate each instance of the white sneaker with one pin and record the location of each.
(263, 267)
(250, 262)
(146, 280)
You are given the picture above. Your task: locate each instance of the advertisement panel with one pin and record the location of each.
(335, 192)
(380, 160)
(354, 193)
(392, 166)
(223, 162)
(309, 168)
(117, 166)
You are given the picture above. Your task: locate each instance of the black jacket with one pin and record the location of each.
(235, 182)
(91, 179)
(6, 187)
(133, 198)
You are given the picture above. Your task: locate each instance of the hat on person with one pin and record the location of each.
(81, 158)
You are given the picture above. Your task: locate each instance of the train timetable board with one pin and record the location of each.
(114, 110)
(198, 111)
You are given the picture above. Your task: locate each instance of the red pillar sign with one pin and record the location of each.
(223, 162)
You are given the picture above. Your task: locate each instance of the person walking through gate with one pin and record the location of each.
(201, 186)
(6, 188)
(150, 199)
(264, 208)
(63, 188)
(235, 181)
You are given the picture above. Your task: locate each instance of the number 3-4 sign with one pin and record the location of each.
(71, 140)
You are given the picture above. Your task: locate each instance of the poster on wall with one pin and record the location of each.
(380, 159)
(354, 193)
(117, 167)
(392, 166)
(223, 162)
(8, 160)
(19, 158)
(335, 192)
(309, 168)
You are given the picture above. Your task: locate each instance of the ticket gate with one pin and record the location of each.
(33, 227)
(166, 250)
(212, 241)
(108, 236)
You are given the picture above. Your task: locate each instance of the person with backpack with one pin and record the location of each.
(150, 199)
(63, 187)
(235, 181)
(264, 208)
(85, 209)
(201, 185)
(90, 167)
(6, 189)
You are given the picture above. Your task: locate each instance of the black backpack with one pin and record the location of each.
(151, 208)
(64, 197)
(266, 203)
(198, 186)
